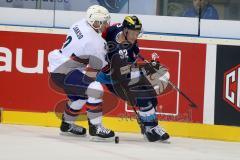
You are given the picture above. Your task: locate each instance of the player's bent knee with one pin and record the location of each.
(77, 105)
(147, 104)
(95, 90)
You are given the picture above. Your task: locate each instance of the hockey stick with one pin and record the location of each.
(139, 120)
(192, 104)
(140, 123)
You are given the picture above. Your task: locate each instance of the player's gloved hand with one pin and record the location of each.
(155, 64)
(151, 67)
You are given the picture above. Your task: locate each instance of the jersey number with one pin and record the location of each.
(68, 40)
(123, 54)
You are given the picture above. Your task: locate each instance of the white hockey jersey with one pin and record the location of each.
(83, 42)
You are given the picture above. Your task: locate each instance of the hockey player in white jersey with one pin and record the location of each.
(84, 47)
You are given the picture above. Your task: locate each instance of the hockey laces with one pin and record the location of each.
(158, 130)
(101, 129)
(76, 128)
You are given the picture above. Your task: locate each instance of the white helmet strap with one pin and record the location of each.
(100, 26)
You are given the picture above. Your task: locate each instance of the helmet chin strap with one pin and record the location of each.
(96, 28)
(125, 35)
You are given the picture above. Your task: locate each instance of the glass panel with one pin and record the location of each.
(203, 8)
(177, 7)
(228, 9)
(145, 7)
(209, 9)
(19, 4)
(114, 6)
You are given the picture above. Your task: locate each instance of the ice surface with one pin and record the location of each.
(44, 143)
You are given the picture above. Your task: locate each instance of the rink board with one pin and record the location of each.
(178, 129)
(26, 63)
(28, 98)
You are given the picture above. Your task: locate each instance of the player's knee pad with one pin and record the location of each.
(73, 108)
(94, 104)
(148, 117)
(147, 111)
(77, 105)
(146, 104)
(94, 101)
(95, 90)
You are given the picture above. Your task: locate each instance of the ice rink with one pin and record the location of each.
(38, 143)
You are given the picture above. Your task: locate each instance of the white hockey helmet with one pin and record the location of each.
(99, 14)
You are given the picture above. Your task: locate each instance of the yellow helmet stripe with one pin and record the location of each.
(129, 19)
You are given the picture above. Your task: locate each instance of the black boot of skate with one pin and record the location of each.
(72, 129)
(156, 134)
(150, 128)
(100, 131)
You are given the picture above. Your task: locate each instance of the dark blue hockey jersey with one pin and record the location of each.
(124, 49)
(124, 53)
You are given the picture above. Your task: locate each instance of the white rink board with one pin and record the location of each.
(29, 17)
(220, 28)
(37, 17)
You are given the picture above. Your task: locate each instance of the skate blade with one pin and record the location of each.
(69, 134)
(167, 141)
(100, 139)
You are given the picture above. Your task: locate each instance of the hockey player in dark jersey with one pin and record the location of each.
(126, 80)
